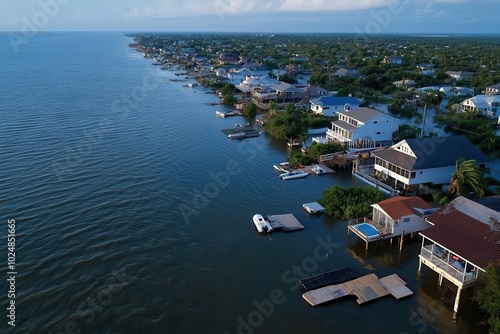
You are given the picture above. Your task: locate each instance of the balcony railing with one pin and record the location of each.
(442, 261)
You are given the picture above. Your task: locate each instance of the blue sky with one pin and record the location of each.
(316, 16)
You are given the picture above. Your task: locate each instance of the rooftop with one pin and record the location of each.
(432, 152)
(399, 206)
(336, 100)
(363, 114)
(458, 229)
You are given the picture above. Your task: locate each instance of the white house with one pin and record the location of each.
(362, 128)
(407, 84)
(459, 75)
(395, 60)
(493, 90)
(463, 239)
(456, 91)
(423, 160)
(488, 105)
(394, 217)
(329, 105)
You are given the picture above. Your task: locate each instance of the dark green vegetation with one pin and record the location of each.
(469, 179)
(250, 111)
(478, 129)
(347, 203)
(293, 123)
(488, 296)
(315, 151)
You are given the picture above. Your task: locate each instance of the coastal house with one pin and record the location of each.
(362, 128)
(459, 75)
(393, 217)
(329, 105)
(394, 60)
(493, 89)
(406, 84)
(456, 91)
(284, 94)
(412, 162)
(346, 72)
(463, 239)
(487, 105)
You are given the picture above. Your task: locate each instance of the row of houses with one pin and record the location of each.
(459, 240)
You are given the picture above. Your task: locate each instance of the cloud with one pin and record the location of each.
(190, 8)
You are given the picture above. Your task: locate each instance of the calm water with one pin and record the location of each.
(133, 210)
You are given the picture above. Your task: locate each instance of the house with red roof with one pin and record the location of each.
(463, 239)
(393, 217)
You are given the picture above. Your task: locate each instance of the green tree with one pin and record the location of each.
(488, 296)
(227, 92)
(468, 177)
(347, 203)
(250, 111)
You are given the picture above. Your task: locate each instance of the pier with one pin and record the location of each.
(228, 113)
(366, 288)
(285, 222)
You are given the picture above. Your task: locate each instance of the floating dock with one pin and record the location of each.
(228, 113)
(313, 207)
(237, 129)
(308, 169)
(286, 222)
(366, 288)
(329, 278)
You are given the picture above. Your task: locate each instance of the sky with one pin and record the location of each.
(272, 16)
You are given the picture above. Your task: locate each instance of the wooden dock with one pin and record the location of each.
(286, 222)
(366, 288)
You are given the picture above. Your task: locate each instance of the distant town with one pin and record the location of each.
(363, 102)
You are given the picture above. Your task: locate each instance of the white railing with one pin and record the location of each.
(427, 252)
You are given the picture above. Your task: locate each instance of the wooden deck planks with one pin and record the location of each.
(366, 288)
(396, 286)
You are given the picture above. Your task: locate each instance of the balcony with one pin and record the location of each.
(443, 263)
(336, 136)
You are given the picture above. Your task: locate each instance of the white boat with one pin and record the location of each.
(282, 167)
(237, 135)
(261, 224)
(293, 175)
(318, 170)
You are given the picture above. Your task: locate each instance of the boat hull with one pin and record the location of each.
(261, 224)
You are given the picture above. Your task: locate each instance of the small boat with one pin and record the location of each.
(282, 167)
(318, 170)
(293, 175)
(237, 135)
(191, 85)
(261, 224)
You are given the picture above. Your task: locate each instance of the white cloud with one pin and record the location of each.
(176, 8)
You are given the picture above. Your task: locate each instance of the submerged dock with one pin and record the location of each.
(366, 288)
(329, 278)
(285, 222)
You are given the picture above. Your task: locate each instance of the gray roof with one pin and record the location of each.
(491, 202)
(362, 114)
(433, 152)
(497, 86)
(286, 87)
(344, 125)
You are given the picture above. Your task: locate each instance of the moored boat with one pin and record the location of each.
(297, 174)
(261, 224)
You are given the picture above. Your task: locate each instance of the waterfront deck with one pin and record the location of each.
(285, 222)
(313, 208)
(329, 278)
(366, 288)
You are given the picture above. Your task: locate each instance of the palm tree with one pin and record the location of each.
(468, 177)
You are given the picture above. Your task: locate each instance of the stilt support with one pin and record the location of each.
(457, 301)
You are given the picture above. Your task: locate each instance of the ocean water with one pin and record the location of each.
(133, 210)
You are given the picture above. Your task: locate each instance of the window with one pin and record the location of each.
(406, 219)
(412, 175)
